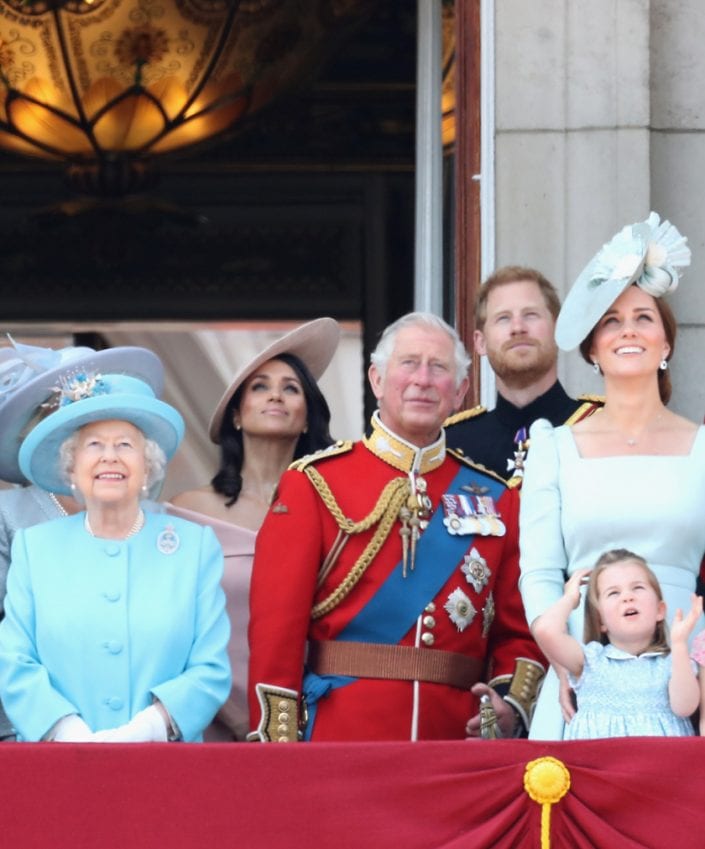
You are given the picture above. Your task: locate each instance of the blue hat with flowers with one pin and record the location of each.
(30, 379)
(649, 253)
(87, 398)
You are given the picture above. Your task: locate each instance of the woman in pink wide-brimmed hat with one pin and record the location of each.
(272, 413)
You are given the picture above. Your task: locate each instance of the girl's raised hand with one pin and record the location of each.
(682, 626)
(573, 584)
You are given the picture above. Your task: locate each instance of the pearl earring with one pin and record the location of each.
(596, 367)
(663, 365)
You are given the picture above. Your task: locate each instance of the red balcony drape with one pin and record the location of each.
(465, 795)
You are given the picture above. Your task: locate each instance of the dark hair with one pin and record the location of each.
(670, 327)
(228, 479)
(592, 626)
(514, 274)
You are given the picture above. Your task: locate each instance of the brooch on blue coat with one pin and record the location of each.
(168, 540)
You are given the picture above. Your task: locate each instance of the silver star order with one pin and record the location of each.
(460, 609)
(476, 570)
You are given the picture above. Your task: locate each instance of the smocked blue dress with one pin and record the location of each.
(624, 695)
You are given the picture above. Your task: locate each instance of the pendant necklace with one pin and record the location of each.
(634, 440)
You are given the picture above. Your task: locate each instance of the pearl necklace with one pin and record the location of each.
(59, 506)
(136, 527)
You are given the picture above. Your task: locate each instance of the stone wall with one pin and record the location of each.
(600, 118)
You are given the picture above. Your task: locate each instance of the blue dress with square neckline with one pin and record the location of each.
(573, 509)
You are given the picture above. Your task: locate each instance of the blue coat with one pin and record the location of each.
(98, 627)
(20, 507)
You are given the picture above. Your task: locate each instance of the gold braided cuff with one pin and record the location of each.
(280, 715)
(524, 688)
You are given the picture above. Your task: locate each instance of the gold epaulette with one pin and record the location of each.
(478, 467)
(464, 415)
(342, 446)
(590, 404)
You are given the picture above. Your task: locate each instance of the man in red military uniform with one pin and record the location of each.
(384, 590)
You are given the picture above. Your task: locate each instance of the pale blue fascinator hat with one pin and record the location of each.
(649, 253)
(31, 377)
(91, 398)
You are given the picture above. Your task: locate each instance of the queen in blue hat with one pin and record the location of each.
(115, 627)
(29, 377)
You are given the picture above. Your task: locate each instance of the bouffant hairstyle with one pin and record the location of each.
(154, 460)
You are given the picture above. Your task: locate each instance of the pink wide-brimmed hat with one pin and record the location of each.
(314, 343)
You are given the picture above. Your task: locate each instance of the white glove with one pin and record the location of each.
(147, 726)
(71, 729)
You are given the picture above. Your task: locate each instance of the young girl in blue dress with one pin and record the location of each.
(628, 680)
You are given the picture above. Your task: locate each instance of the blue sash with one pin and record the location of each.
(398, 603)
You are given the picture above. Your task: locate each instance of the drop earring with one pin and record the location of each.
(663, 365)
(596, 367)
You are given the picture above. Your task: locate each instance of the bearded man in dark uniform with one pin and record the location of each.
(515, 316)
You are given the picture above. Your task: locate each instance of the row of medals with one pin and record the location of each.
(474, 514)
(463, 517)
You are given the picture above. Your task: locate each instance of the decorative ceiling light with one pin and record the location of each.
(448, 77)
(107, 84)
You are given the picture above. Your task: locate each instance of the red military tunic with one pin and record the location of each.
(296, 571)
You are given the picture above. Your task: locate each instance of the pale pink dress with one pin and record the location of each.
(697, 650)
(232, 720)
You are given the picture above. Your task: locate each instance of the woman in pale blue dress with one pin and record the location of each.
(633, 474)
